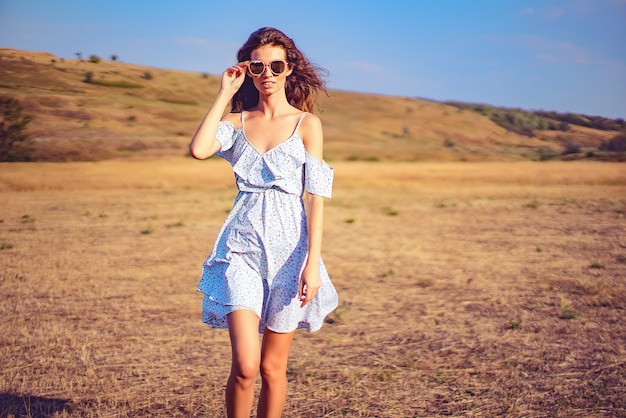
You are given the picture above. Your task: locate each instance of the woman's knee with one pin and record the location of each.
(245, 369)
(272, 369)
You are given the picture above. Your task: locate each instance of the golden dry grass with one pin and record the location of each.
(466, 289)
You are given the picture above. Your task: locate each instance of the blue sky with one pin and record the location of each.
(564, 55)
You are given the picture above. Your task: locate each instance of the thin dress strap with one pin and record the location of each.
(299, 122)
(242, 120)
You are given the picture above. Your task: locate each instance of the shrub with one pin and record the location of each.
(514, 120)
(5, 245)
(94, 58)
(113, 83)
(546, 154)
(174, 100)
(14, 141)
(114, 57)
(147, 75)
(615, 144)
(523, 123)
(528, 120)
(595, 122)
(571, 148)
(448, 143)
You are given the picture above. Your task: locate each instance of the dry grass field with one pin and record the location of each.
(466, 290)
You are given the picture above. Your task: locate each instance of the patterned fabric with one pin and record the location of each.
(262, 247)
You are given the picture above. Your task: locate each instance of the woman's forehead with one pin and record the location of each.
(268, 53)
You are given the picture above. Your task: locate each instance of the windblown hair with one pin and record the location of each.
(302, 85)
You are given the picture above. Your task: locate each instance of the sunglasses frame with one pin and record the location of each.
(268, 65)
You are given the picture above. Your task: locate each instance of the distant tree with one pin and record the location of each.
(94, 58)
(114, 57)
(14, 141)
(79, 55)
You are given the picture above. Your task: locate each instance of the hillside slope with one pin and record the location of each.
(88, 111)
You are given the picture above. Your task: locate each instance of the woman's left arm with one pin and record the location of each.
(310, 282)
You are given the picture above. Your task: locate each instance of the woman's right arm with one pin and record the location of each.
(203, 144)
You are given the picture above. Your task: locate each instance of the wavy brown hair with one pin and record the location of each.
(302, 85)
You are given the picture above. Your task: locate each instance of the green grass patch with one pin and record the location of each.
(532, 205)
(390, 211)
(178, 224)
(27, 219)
(515, 324)
(565, 311)
(116, 83)
(173, 100)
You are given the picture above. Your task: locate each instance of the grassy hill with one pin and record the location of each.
(82, 110)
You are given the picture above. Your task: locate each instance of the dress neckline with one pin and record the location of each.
(280, 144)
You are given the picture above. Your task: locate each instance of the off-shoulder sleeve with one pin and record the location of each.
(318, 177)
(225, 135)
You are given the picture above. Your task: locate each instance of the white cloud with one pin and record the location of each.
(555, 51)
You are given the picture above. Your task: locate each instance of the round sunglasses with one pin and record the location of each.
(256, 68)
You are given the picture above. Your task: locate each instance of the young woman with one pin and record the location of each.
(265, 273)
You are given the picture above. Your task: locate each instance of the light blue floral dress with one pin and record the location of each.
(262, 247)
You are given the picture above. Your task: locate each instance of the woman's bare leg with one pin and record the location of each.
(243, 327)
(274, 356)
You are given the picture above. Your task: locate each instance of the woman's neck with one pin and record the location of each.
(273, 105)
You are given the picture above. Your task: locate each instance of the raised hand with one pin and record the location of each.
(234, 76)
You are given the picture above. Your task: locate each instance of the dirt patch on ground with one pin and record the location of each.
(485, 289)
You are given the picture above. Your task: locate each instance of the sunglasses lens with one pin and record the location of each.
(277, 67)
(256, 67)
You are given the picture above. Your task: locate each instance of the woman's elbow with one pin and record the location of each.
(197, 153)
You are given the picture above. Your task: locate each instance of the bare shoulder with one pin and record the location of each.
(234, 118)
(312, 135)
(311, 122)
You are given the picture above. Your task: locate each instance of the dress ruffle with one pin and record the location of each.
(318, 177)
(280, 167)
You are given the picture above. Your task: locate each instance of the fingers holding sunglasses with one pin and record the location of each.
(233, 76)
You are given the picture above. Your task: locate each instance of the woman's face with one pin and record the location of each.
(268, 82)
